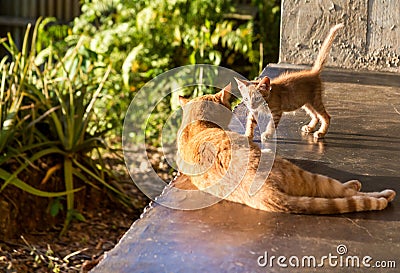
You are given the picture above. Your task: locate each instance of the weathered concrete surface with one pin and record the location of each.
(369, 41)
(363, 143)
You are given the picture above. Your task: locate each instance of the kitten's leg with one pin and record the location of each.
(314, 119)
(272, 125)
(250, 125)
(323, 117)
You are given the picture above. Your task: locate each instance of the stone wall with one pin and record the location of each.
(369, 41)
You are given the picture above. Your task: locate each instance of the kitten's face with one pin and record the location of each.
(254, 92)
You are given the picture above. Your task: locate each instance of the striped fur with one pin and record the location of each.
(230, 162)
(289, 92)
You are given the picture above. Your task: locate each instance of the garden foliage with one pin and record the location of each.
(47, 118)
(64, 94)
(142, 39)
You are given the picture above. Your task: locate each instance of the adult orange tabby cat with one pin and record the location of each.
(225, 163)
(289, 92)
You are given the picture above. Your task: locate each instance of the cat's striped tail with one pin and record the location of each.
(325, 48)
(321, 205)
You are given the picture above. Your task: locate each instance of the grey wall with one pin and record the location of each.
(369, 41)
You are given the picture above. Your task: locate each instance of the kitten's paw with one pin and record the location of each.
(266, 151)
(319, 134)
(388, 194)
(307, 129)
(353, 184)
(249, 134)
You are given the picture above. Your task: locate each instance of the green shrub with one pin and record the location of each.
(142, 39)
(17, 113)
(47, 110)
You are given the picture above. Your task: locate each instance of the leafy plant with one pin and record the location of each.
(72, 85)
(16, 137)
(61, 92)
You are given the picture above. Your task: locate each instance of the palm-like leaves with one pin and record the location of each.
(60, 92)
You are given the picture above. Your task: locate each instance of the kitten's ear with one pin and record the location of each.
(224, 95)
(242, 84)
(183, 101)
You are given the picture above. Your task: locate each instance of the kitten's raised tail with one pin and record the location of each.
(325, 48)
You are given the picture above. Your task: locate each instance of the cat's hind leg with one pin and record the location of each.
(356, 185)
(316, 185)
(305, 183)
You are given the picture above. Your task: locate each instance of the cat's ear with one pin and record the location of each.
(183, 101)
(225, 94)
(264, 83)
(242, 84)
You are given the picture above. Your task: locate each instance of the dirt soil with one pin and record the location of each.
(77, 251)
(84, 244)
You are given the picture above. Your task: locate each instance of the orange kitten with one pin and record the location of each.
(225, 163)
(289, 92)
